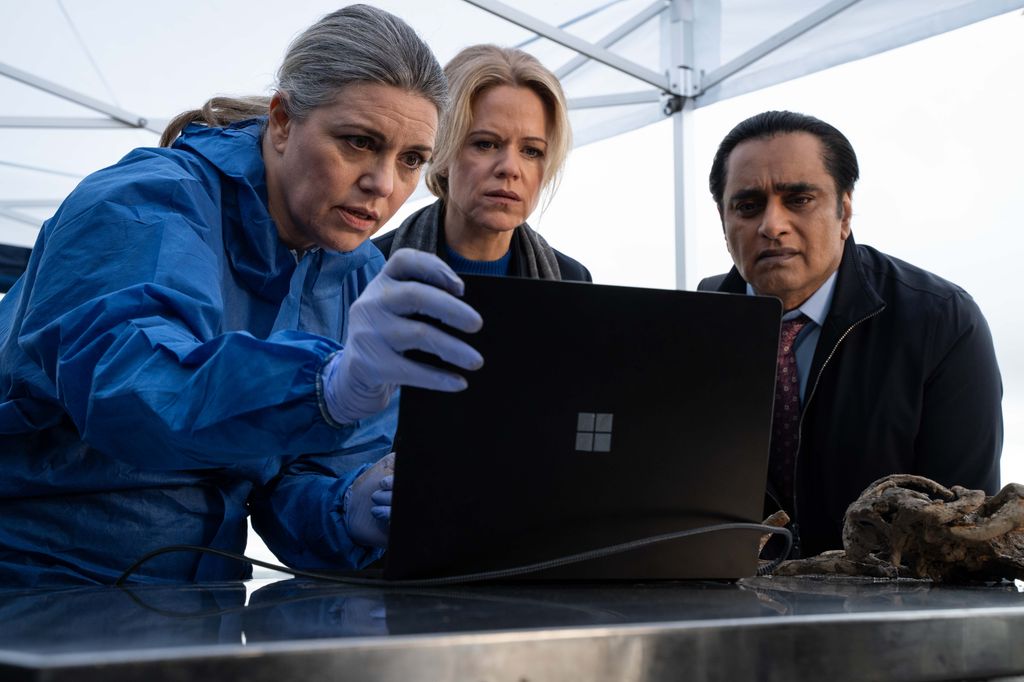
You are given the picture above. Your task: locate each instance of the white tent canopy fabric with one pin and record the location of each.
(83, 82)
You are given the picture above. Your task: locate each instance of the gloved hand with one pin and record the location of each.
(381, 499)
(367, 504)
(360, 380)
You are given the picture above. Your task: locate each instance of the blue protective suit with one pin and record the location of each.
(160, 361)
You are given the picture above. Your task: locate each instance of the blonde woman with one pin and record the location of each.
(501, 144)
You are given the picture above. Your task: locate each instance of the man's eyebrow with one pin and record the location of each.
(796, 187)
(747, 193)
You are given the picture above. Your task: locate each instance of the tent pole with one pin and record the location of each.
(566, 39)
(684, 181)
(116, 113)
(678, 58)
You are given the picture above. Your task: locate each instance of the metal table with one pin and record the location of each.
(762, 628)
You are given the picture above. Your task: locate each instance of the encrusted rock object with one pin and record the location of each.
(912, 527)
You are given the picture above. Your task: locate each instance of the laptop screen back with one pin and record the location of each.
(602, 415)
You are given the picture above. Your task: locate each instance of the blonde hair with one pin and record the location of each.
(356, 44)
(470, 73)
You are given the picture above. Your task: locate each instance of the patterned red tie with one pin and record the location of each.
(786, 419)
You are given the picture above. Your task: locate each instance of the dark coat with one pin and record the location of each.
(571, 270)
(904, 380)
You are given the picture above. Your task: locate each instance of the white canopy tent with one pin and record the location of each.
(83, 81)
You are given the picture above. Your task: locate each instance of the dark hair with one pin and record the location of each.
(356, 44)
(838, 155)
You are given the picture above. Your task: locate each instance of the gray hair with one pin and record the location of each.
(356, 44)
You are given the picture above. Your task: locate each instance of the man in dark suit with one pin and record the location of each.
(883, 367)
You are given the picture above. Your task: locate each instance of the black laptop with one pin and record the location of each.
(602, 415)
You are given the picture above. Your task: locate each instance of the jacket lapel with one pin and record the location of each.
(854, 300)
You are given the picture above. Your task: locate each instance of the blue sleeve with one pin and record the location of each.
(299, 513)
(126, 319)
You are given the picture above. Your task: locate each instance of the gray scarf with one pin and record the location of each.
(536, 259)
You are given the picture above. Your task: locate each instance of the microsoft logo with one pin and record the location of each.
(594, 432)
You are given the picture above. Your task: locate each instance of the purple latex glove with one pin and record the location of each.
(381, 499)
(360, 380)
(367, 519)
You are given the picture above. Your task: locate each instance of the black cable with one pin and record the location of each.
(485, 575)
(769, 567)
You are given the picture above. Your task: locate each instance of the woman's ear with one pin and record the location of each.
(279, 123)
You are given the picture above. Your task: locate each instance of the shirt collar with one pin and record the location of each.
(817, 306)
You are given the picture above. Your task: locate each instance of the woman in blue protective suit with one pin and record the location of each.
(204, 331)
(502, 143)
